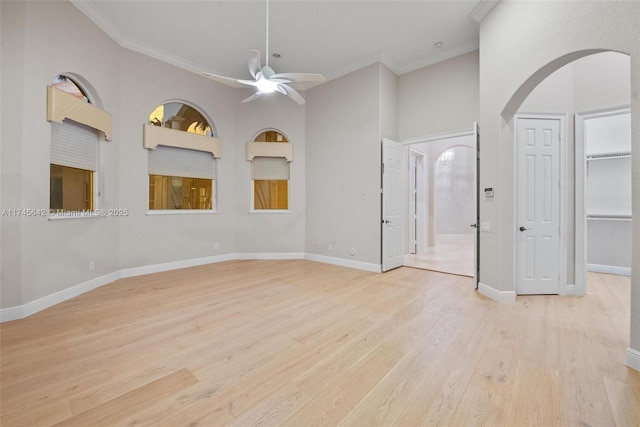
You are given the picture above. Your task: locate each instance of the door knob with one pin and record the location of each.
(523, 228)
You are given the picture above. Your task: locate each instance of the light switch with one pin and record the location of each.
(485, 227)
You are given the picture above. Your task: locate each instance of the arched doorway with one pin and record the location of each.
(595, 82)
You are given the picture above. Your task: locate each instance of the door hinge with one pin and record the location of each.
(383, 168)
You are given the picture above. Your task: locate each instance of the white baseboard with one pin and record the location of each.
(505, 297)
(569, 290)
(359, 265)
(609, 269)
(633, 359)
(174, 265)
(271, 255)
(19, 312)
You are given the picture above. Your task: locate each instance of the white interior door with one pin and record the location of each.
(538, 205)
(476, 204)
(392, 206)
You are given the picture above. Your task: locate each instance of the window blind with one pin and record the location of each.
(172, 161)
(74, 145)
(275, 168)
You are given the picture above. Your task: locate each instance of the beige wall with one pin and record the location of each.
(443, 97)
(343, 167)
(40, 257)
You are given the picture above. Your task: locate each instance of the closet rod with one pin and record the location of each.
(610, 217)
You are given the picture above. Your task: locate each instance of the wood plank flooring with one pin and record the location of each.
(453, 253)
(297, 343)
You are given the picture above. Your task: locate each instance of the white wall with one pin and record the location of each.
(514, 60)
(440, 98)
(602, 81)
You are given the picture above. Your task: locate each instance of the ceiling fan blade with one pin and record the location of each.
(252, 97)
(254, 63)
(247, 82)
(299, 77)
(291, 93)
(225, 80)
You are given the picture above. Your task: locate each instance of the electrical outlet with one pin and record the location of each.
(92, 265)
(317, 245)
(216, 246)
(330, 247)
(352, 251)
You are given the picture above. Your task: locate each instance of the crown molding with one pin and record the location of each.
(482, 9)
(99, 19)
(443, 56)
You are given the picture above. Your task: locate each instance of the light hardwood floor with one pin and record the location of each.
(453, 253)
(301, 343)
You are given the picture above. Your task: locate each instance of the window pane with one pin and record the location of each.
(179, 116)
(270, 194)
(176, 192)
(71, 189)
(270, 136)
(68, 85)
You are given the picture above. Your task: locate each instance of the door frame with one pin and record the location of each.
(417, 160)
(563, 287)
(471, 132)
(580, 220)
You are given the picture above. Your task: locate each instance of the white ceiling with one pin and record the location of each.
(330, 37)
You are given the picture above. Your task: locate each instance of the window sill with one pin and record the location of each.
(180, 212)
(269, 211)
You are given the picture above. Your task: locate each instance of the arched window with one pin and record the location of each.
(74, 155)
(67, 85)
(180, 116)
(270, 173)
(181, 167)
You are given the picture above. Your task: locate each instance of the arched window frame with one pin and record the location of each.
(178, 159)
(270, 173)
(77, 123)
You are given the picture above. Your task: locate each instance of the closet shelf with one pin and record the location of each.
(606, 156)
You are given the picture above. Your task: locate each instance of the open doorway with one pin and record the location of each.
(603, 191)
(441, 210)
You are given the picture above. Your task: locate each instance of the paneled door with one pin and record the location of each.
(538, 205)
(392, 206)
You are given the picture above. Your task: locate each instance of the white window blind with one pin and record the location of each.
(172, 161)
(74, 145)
(275, 168)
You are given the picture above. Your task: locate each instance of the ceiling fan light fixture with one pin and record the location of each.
(267, 80)
(266, 86)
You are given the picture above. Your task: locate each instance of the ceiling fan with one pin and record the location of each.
(267, 80)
